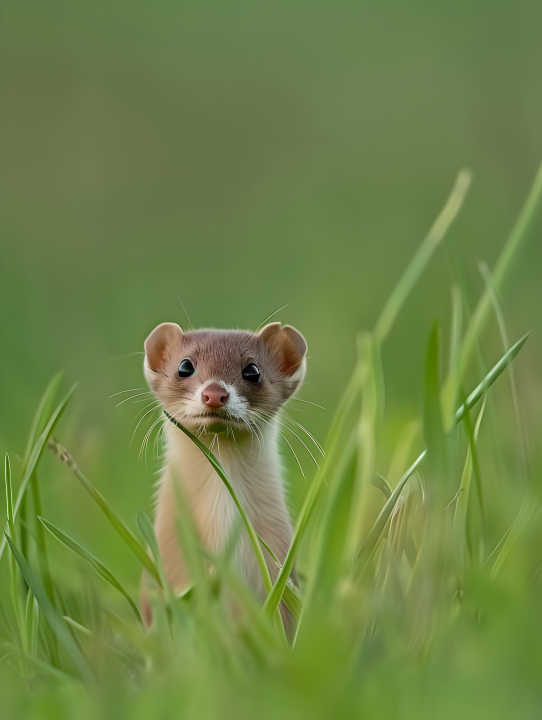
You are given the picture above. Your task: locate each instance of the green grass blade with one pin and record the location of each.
(460, 535)
(189, 541)
(449, 398)
(360, 508)
(41, 541)
(53, 618)
(315, 488)
(42, 415)
(80, 628)
(382, 484)
(474, 397)
(147, 530)
(480, 315)
(378, 526)
(490, 284)
(432, 420)
(490, 378)
(475, 460)
(120, 526)
(99, 567)
(174, 610)
(36, 454)
(9, 497)
(422, 257)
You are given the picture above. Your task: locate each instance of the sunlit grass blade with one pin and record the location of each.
(120, 526)
(480, 315)
(53, 618)
(36, 454)
(490, 378)
(99, 567)
(422, 257)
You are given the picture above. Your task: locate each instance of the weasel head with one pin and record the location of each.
(213, 380)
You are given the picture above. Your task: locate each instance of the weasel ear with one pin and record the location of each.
(163, 344)
(290, 347)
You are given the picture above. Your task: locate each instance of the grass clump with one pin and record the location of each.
(421, 590)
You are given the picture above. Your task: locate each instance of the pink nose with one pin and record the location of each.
(214, 396)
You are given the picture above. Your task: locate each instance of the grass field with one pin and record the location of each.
(420, 593)
(243, 156)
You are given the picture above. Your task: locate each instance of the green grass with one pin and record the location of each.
(421, 590)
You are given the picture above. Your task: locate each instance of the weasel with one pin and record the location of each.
(226, 386)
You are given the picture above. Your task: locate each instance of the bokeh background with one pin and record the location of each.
(244, 156)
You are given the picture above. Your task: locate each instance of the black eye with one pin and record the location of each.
(186, 369)
(251, 373)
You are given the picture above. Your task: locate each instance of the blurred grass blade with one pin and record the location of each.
(293, 599)
(402, 452)
(120, 526)
(377, 528)
(189, 542)
(41, 541)
(360, 505)
(9, 497)
(99, 567)
(490, 378)
(490, 284)
(479, 317)
(36, 454)
(147, 530)
(432, 420)
(329, 560)
(422, 257)
(264, 570)
(81, 628)
(449, 398)
(53, 618)
(332, 447)
(529, 510)
(175, 612)
(42, 414)
(475, 460)
(381, 483)
(460, 536)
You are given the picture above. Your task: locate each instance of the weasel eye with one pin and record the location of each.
(186, 369)
(251, 373)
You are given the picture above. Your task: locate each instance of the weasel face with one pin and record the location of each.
(212, 380)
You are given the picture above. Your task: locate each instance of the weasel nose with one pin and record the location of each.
(214, 396)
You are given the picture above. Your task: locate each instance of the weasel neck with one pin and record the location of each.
(253, 470)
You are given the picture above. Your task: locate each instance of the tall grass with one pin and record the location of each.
(416, 586)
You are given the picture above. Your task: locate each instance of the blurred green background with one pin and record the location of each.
(245, 156)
